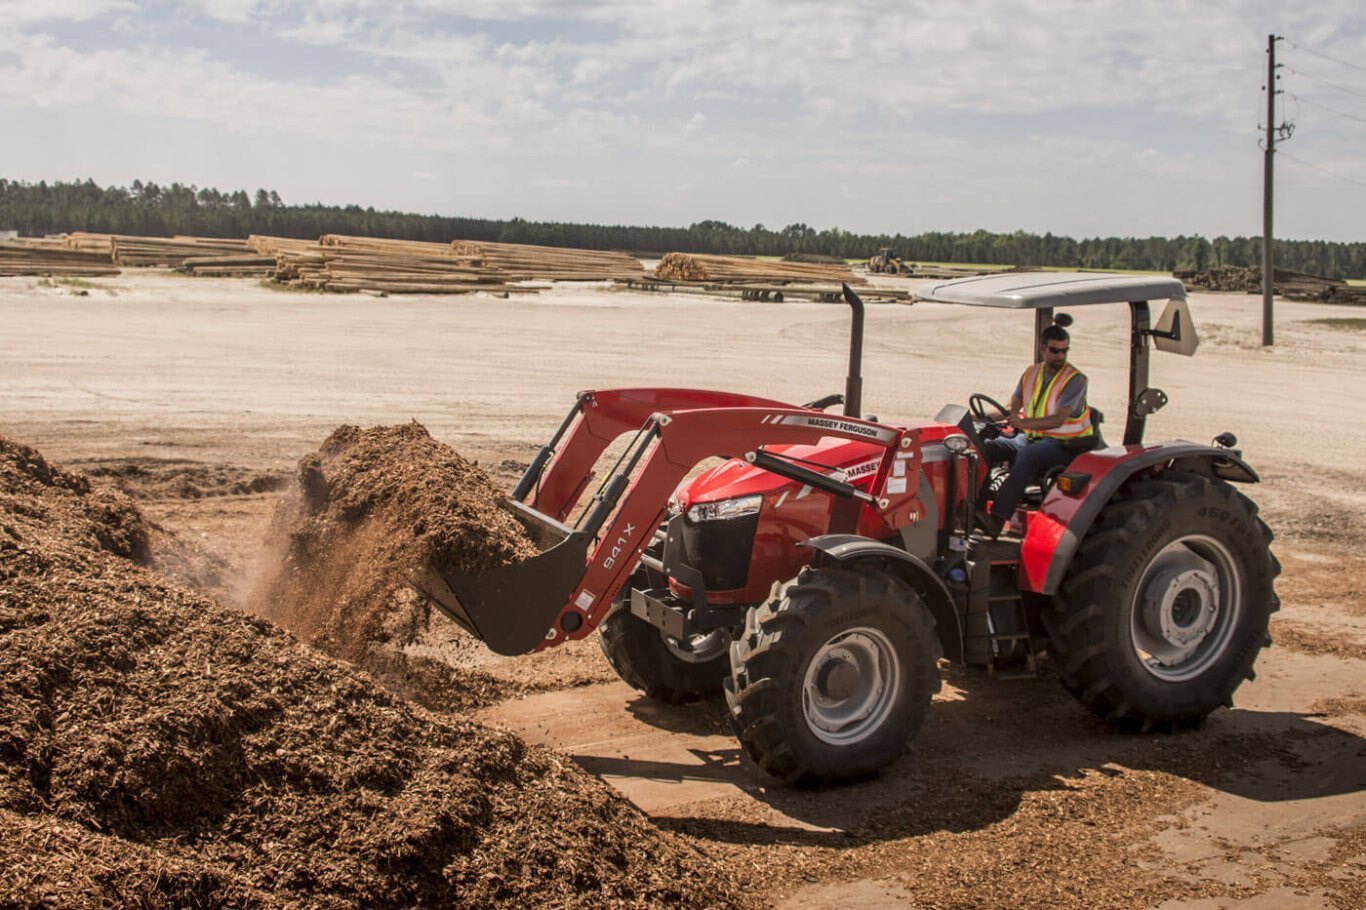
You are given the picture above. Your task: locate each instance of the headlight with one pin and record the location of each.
(726, 508)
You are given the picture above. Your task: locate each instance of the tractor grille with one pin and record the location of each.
(720, 550)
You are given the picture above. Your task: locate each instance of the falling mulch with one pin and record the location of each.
(368, 508)
(159, 750)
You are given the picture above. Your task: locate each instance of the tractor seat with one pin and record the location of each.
(1032, 497)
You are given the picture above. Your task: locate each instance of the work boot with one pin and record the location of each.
(990, 525)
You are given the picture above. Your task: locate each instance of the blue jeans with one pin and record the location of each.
(1028, 461)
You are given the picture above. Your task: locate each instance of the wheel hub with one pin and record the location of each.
(838, 678)
(1181, 607)
(851, 686)
(1187, 602)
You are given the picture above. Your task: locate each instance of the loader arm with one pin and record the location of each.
(563, 468)
(564, 592)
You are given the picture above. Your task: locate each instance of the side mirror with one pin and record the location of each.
(1175, 331)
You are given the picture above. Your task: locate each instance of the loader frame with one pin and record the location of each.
(564, 592)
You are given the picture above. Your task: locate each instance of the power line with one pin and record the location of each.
(1341, 88)
(1301, 47)
(1361, 183)
(1333, 110)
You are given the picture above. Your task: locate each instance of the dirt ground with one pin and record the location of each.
(199, 396)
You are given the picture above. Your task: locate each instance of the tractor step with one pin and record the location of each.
(997, 633)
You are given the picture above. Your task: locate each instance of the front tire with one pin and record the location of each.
(833, 676)
(1166, 604)
(664, 669)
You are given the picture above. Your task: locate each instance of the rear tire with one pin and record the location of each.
(648, 660)
(1166, 604)
(833, 676)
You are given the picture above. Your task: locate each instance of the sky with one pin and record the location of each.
(1100, 118)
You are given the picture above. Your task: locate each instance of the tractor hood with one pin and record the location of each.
(736, 478)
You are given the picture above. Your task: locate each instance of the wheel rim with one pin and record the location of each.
(1186, 607)
(700, 648)
(851, 686)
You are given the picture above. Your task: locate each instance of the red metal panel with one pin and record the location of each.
(1055, 515)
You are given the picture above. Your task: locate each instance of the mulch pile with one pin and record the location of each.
(368, 508)
(158, 750)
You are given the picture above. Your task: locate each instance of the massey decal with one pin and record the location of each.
(834, 424)
(858, 470)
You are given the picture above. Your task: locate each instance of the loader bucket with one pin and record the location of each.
(512, 608)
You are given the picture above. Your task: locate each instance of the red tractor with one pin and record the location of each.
(819, 573)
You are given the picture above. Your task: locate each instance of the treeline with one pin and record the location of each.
(36, 209)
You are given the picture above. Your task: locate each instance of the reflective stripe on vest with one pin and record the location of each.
(1040, 402)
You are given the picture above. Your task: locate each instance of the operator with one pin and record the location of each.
(1052, 421)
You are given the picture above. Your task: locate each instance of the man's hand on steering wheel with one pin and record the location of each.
(991, 426)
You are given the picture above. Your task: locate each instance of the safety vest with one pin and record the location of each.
(1041, 399)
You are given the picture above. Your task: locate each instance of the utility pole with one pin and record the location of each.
(1268, 283)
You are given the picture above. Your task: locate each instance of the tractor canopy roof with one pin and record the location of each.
(1046, 290)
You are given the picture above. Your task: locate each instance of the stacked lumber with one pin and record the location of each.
(390, 246)
(19, 258)
(90, 243)
(247, 265)
(775, 293)
(347, 264)
(946, 272)
(131, 250)
(1295, 286)
(815, 257)
(266, 245)
(47, 243)
(1346, 293)
(521, 262)
(742, 269)
(1248, 280)
(171, 251)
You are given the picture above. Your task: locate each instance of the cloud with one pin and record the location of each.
(908, 93)
(19, 13)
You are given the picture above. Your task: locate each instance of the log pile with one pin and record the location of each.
(1285, 283)
(1346, 293)
(741, 270)
(90, 243)
(337, 262)
(130, 251)
(57, 242)
(246, 265)
(820, 258)
(1248, 279)
(163, 251)
(522, 262)
(265, 245)
(948, 272)
(344, 264)
(24, 259)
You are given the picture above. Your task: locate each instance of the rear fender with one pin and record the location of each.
(847, 549)
(1063, 520)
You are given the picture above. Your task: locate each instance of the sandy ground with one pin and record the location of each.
(199, 395)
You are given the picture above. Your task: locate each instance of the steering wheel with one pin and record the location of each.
(977, 406)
